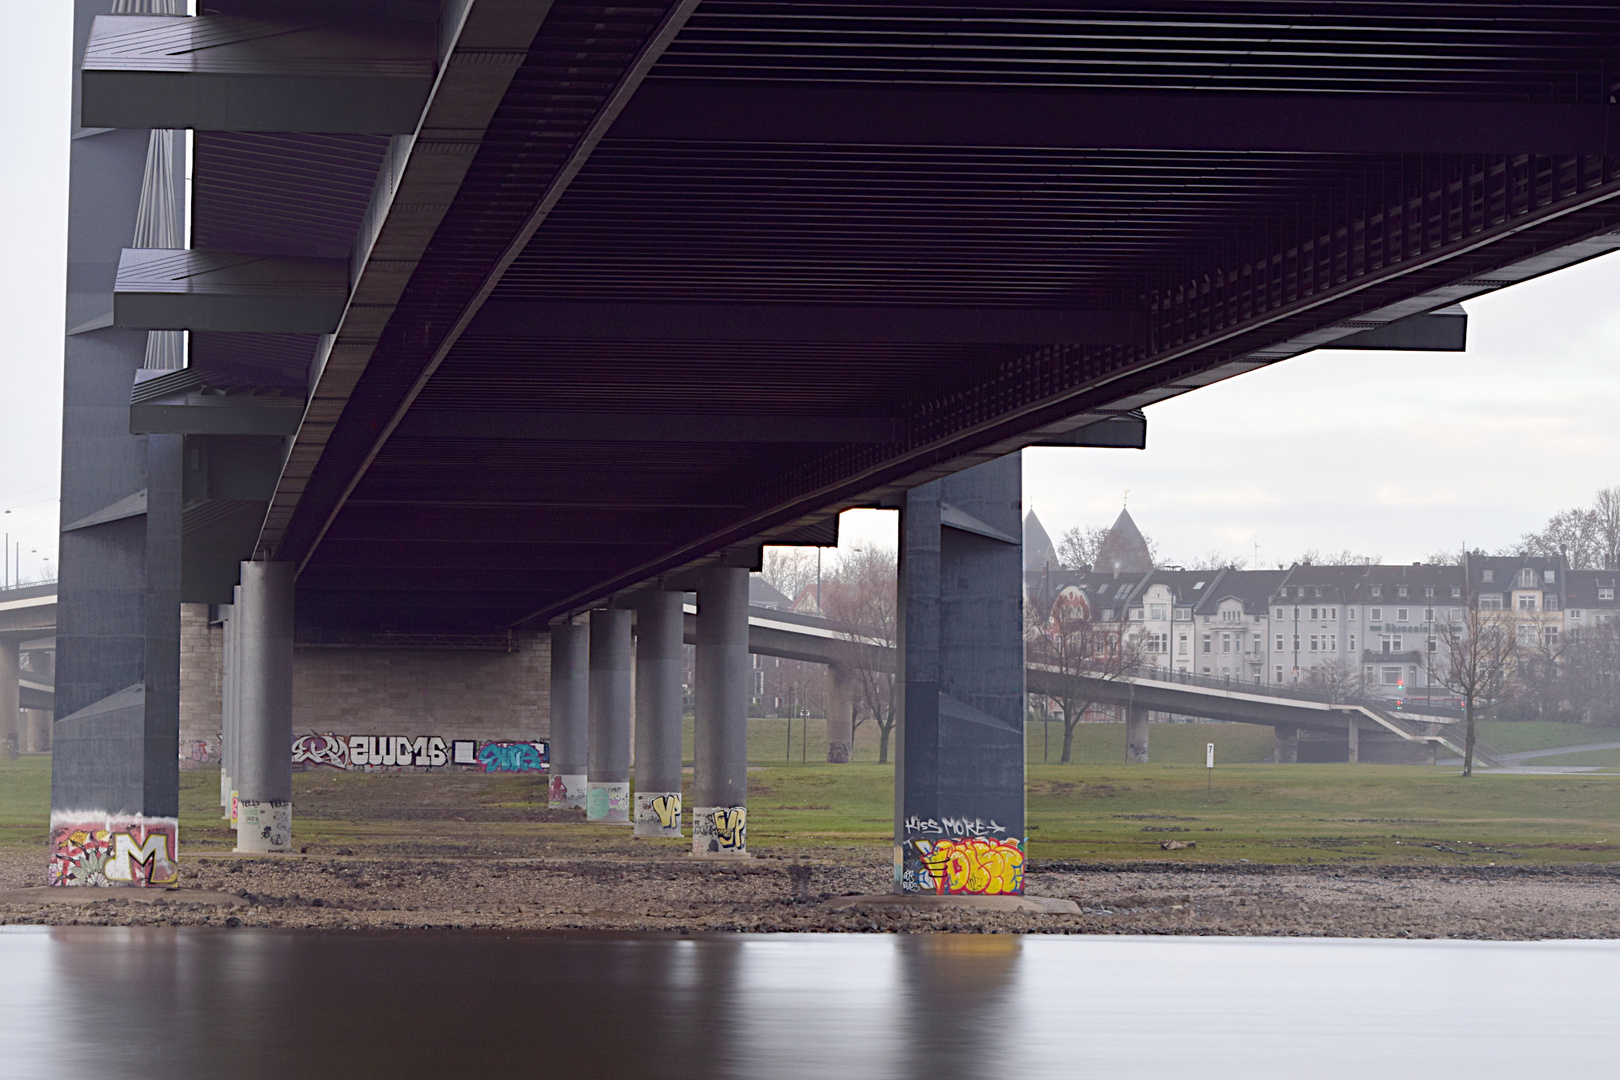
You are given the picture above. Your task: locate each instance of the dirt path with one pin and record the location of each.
(785, 892)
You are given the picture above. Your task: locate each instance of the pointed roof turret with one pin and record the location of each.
(1124, 550)
(1038, 550)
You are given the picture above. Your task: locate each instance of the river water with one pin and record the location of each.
(250, 1004)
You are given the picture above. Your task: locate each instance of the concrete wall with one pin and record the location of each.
(453, 694)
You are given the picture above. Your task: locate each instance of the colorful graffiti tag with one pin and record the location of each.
(200, 752)
(513, 756)
(720, 829)
(658, 813)
(973, 865)
(114, 849)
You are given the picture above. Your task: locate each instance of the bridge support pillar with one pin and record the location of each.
(37, 728)
(840, 715)
(11, 723)
(1285, 745)
(227, 711)
(570, 715)
(720, 714)
(607, 786)
(659, 647)
(1136, 735)
(265, 677)
(959, 763)
(1355, 739)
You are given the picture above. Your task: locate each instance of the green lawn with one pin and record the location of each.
(1098, 809)
(1606, 758)
(1509, 736)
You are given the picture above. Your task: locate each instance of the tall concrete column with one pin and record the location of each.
(1286, 743)
(1355, 740)
(38, 730)
(659, 647)
(570, 714)
(840, 715)
(720, 725)
(959, 772)
(11, 724)
(607, 787)
(227, 709)
(264, 758)
(1136, 735)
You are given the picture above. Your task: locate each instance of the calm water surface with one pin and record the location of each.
(246, 1004)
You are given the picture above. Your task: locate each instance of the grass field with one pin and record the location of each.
(1510, 737)
(1097, 809)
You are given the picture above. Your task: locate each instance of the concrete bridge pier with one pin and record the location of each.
(720, 715)
(570, 714)
(11, 726)
(1355, 739)
(1285, 745)
(840, 715)
(659, 629)
(607, 786)
(959, 766)
(265, 680)
(1136, 735)
(227, 709)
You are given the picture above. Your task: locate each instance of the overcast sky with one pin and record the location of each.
(1395, 454)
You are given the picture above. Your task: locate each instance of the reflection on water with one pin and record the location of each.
(137, 1002)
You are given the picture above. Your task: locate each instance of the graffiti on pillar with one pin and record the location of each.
(264, 826)
(976, 865)
(720, 829)
(113, 849)
(567, 791)
(513, 756)
(607, 802)
(328, 750)
(659, 810)
(950, 826)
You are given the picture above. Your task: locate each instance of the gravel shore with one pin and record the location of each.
(787, 891)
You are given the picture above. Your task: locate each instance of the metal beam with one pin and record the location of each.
(183, 403)
(1445, 330)
(182, 289)
(229, 73)
(640, 427)
(1127, 431)
(1084, 120)
(801, 323)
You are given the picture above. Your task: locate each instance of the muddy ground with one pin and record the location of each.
(786, 891)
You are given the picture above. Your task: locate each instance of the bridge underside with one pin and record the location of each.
(652, 285)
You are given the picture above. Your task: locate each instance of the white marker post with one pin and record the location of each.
(1209, 764)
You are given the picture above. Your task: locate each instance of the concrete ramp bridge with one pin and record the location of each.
(1339, 727)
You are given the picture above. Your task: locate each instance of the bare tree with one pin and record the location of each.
(1079, 649)
(1606, 526)
(790, 569)
(1216, 559)
(1340, 680)
(1571, 533)
(1477, 662)
(1444, 557)
(863, 600)
(1078, 546)
(1343, 557)
(1590, 675)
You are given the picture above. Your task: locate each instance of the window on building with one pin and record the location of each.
(1333, 642)
(1428, 614)
(1574, 613)
(1549, 576)
(1377, 591)
(1230, 615)
(1279, 613)
(1456, 591)
(1226, 643)
(1549, 603)
(1313, 643)
(1369, 673)
(1207, 646)
(1400, 592)
(1390, 676)
(1352, 643)
(1605, 594)
(1456, 613)
(1157, 612)
(1527, 601)
(1428, 590)
(1351, 614)
(1279, 643)
(1333, 613)
(1487, 574)
(1313, 614)
(1206, 671)
(1549, 636)
(1183, 614)
(759, 682)
(1183, 644)
(1377, 614)
(1136, 614)
(1434, 646)
(1401, 614)
(1527, 634)
(1527, 578)
(1279, 675)
(1108, 614)
(1490, 601)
